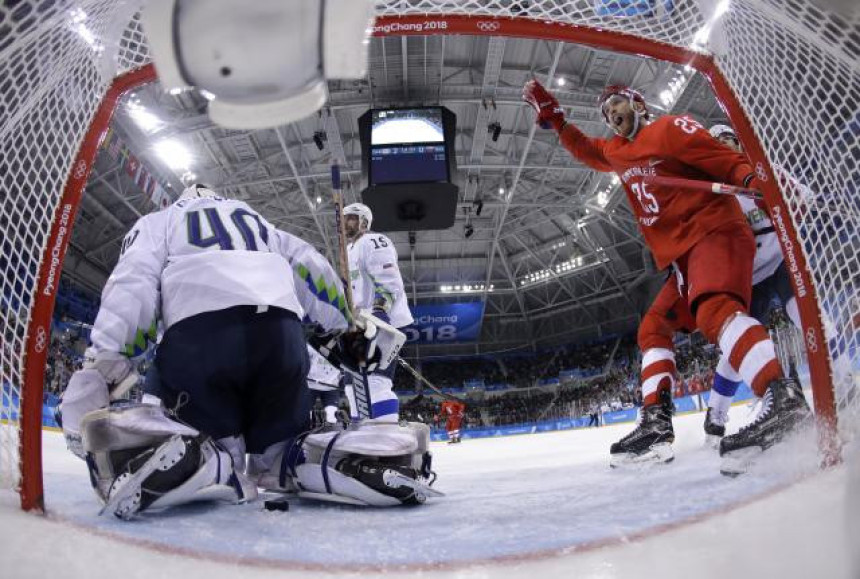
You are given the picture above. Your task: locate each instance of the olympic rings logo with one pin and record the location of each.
(760, 172)
(41, 339)
(811, 341)
(489, 26)
(80, 169)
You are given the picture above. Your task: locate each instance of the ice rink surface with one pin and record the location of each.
(541, 505)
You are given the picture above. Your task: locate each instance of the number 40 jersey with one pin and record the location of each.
(375, 277)
(208, 254)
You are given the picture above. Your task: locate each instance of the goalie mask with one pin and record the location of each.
(264, 63)
(633, 96)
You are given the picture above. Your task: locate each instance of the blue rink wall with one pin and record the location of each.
(693, 403)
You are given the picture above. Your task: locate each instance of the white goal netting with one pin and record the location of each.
(793, 65)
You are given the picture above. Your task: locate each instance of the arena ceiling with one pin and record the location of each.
(555, 252)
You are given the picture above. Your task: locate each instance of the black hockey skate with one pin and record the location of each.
(715, 427)
(408, 485)
(783, 408)
(651, 440)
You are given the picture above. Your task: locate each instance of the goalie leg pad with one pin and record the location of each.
(140, 459)
(374, 464)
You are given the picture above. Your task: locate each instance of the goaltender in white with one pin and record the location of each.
(231, 291)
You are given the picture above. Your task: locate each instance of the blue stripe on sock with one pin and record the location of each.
(724, 386)
(385, 408)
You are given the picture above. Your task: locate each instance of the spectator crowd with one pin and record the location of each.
(570, 381)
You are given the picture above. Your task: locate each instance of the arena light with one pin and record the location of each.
(148, 122)
(574, 264)
(466, 289)
(700, 39)
(173, 153)
(603, 198)
(78, 19)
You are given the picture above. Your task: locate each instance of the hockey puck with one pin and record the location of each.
(277, 505)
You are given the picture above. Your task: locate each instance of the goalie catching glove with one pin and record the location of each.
(106, 376)
(373, 346)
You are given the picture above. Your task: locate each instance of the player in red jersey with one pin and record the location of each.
(453, 411)
(706, 241)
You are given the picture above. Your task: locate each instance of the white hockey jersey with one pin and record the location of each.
(768, 254)
(375, 275)
(208, 254)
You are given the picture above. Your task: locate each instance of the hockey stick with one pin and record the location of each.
(709, 186)
(361, 392)
(342, 261)
(424, 380)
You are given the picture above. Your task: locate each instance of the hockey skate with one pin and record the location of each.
(370, 464)
(783, 409)
(715, 428)
(651, 440)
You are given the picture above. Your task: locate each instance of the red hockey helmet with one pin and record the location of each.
(624, 91)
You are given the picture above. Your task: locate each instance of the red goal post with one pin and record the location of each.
(49, 197)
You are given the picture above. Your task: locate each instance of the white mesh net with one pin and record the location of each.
(794, 67)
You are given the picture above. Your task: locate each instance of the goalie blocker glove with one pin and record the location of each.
(374, 346)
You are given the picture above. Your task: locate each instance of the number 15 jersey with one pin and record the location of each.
(375, 277)
(672, 220)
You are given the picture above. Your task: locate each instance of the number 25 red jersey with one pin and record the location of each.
(672, 220)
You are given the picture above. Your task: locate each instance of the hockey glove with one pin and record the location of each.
(549, 112)
(752, 182)
(347, 351)
(385, 341)
(86, 391)
(381, 307)
(117, 370)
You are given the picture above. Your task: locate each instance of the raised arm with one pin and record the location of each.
(550, 115)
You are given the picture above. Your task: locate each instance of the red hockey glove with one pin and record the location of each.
(549, 113)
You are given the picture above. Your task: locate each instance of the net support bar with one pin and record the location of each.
(39, 330)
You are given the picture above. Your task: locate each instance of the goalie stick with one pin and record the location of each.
(361, 391)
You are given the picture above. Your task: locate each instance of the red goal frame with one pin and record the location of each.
(32, 494)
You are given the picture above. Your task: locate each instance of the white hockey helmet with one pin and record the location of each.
(718, 131)
(360, 209)
(197, 191)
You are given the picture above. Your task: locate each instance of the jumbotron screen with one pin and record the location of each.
(407, 146)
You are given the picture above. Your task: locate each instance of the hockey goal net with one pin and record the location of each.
(787, 73)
